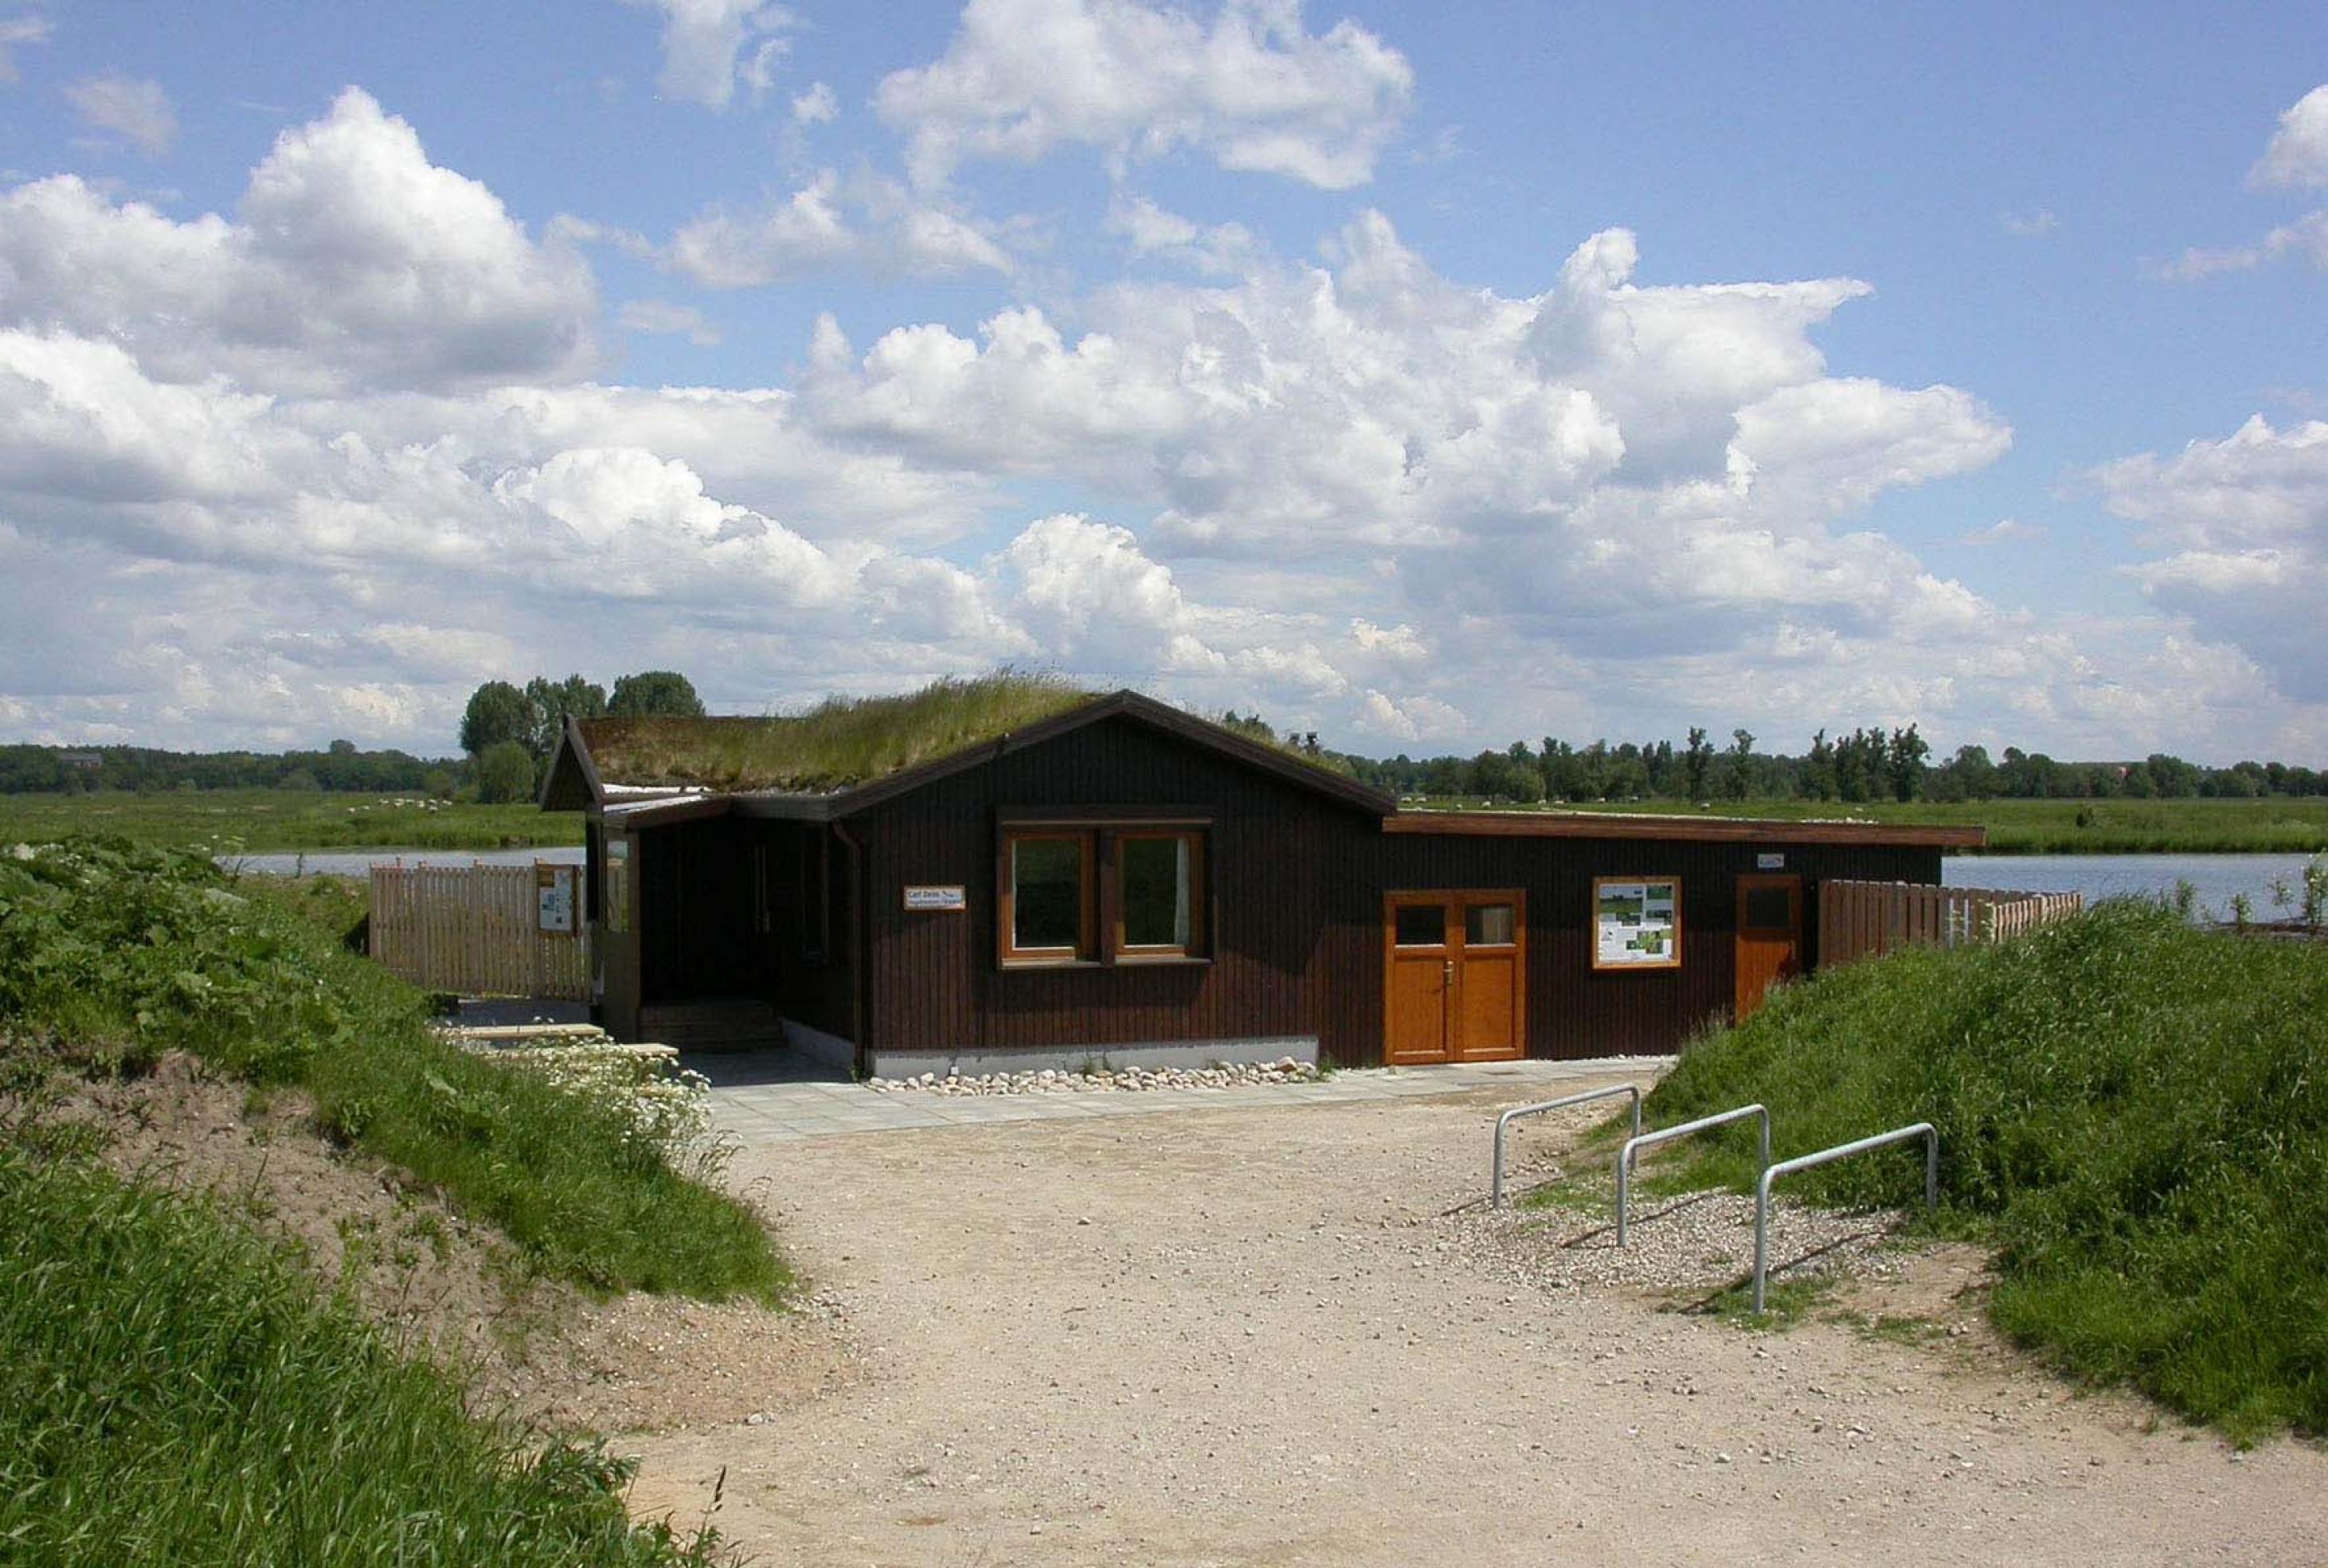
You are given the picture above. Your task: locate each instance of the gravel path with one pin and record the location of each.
(1266, 1336)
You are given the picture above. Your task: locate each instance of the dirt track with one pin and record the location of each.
(1244, 1338)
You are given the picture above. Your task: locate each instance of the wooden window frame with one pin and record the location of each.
(1100, 831)
(1006, 935)
(1122, 949)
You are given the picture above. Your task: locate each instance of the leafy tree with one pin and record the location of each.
(664, 692)
(1696, 760)
(1904, 764)
(551, 703)
(505, 774)
(1741, 772)
(497, 712)
(1818, 776)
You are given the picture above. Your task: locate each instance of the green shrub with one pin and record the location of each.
(174, 1390)
(152, 950)
(2136, 1112)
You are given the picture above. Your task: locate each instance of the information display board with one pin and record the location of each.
(553, 895)
(1636, 923)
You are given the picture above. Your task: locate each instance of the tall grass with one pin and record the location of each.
(174, 1390)
(145, 951)
(2136, 1113)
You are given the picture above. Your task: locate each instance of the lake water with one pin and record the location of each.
(2216, 878)
(358, 862)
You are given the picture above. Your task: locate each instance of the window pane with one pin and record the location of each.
(1154, 892)
(1770, 908)
(1421, 925)
(1046, 893)
(1488, 925)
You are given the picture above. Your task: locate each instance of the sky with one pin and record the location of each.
(1427, 377)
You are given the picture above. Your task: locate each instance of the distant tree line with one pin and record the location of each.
(341, 767)
(1866, 764)
(507, 734)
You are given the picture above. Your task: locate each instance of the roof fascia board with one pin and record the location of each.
(1684, 830)
(663, 813)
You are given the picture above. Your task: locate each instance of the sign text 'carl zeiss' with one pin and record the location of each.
(936, 898)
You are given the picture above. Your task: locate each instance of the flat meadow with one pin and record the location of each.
(264, 820)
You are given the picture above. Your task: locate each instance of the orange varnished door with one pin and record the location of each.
(1418, 963)
(1454, 977)
(1490, 977)
(1770, 937)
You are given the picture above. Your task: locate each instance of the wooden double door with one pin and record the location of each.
(1455, 976)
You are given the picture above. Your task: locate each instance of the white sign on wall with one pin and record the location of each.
(936, 899)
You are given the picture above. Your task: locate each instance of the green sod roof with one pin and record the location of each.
(838, 745)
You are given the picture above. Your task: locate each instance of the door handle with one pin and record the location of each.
(1446, 972)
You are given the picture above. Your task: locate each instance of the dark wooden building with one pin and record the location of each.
(1122, 881)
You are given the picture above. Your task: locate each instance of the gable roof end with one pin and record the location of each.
(573, 782)
(1127, 704)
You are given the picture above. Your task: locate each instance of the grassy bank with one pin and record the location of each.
(2135, 1112)
(259, 822)
(2280, 824)
(174, 1390)
(142, 950)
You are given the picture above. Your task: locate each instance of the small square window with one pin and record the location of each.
(1421, 926)
(1488, 925)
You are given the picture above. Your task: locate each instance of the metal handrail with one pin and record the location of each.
(1771, 1173)
(1496, 1178)
(1666, 1135)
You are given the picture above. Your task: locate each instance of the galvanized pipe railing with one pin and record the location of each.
(1495, 1178)
(1666, 1135)
(1924, 1129)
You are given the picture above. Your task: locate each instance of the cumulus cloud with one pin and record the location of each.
(137, 111)
(1254, 91)
(1148, 230)
(352, 260)
(2240, 526)
(2298, 151)
(2297, 156)
(817, 106)
(872, 226)
(712, 47)
(318, 467)
(662, 317)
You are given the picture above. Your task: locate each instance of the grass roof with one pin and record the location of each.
(839, 744)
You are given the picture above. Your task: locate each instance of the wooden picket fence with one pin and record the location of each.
(1857, 919)
(473, 930)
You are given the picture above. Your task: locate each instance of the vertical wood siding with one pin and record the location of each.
(1572, 1010)
(1280, 858)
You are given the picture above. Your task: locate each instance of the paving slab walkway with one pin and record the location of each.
(762, 1097)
